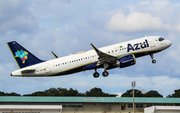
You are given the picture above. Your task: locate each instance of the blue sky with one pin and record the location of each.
(69, 26)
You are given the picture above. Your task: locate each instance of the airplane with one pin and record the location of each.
(118, 55)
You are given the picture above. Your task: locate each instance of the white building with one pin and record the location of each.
(162, 109)
(30, 108)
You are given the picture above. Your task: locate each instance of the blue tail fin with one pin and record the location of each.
(22, 56)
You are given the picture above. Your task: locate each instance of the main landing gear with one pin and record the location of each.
(96, 74)
(153, 61)
(105, 73)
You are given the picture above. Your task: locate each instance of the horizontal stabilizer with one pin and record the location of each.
(54, 54)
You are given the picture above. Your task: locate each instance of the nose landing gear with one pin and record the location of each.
(153, 61)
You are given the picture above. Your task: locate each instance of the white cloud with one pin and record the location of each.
(144, 3)
(16, 17)
(177, 28)
(135, 22)
(158, 8)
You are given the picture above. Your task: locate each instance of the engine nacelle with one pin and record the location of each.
(127, 60)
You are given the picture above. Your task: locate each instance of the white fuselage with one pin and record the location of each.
(75, 63)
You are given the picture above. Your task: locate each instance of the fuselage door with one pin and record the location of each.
(152, 43)
(48, 69)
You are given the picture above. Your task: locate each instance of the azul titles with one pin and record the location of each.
(137, 46)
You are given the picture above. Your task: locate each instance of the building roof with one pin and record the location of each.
(87, 99)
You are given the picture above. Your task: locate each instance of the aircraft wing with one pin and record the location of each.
(103, 57)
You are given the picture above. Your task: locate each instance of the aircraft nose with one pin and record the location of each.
(12, 74)
(169, 43)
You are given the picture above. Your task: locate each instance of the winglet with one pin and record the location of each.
(54, 54)
(96, 49)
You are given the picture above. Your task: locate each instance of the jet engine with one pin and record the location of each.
(125, 61)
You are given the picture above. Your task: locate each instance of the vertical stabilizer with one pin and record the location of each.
(22, 56)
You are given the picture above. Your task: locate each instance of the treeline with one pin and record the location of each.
(9, 94)
(152, 93)
(138, 93)
(94, 92)
(175, 94)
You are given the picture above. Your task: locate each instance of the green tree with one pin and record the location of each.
(176, 94)
(97, 92)
(12, 94)
(38, 93)
(52, 92)
(71, 92)
(129, 93)
(138, 93)
(56, 92)
(153, 93)
(94, 92)
(9, 94)
(2, 94)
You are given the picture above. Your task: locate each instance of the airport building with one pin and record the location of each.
(34, 104)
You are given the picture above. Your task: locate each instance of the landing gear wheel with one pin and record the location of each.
(96, 75)
(153, 61)
(105, 73)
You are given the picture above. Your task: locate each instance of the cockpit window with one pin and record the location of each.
(161, 39)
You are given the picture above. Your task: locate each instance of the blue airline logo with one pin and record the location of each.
(137, 46)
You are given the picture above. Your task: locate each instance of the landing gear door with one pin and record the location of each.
(48, 69)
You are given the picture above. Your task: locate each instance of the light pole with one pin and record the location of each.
(133, 85)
